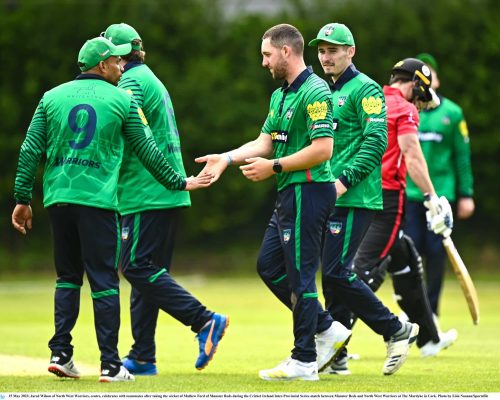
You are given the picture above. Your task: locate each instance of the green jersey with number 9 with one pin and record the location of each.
(80, 127)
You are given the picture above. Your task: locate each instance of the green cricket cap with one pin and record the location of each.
(334, 33)
(429, 60)
(122, 34)
(99, 49)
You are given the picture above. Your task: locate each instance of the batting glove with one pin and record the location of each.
(431, 202)
(440, 217)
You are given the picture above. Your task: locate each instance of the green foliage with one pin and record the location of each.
(210, 63)
(259, 336)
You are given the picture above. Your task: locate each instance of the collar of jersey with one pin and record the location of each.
(297, 83)
(347, 75)
(90, 76)
(132, 64)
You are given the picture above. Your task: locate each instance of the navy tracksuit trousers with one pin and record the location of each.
(289, 259)
(147, 247)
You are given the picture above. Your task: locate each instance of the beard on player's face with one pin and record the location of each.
(279, 70)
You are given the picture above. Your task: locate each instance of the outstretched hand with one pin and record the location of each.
(215, 165)
(22, 218)
(198, 182)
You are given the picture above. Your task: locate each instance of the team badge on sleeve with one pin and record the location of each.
(317, 110)
(371, 105)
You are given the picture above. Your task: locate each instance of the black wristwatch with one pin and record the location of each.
(277, 166)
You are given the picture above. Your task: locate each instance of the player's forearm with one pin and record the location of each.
(463, 169)
(30, 155)
(260, 147)
(417, 169)
(319, 151)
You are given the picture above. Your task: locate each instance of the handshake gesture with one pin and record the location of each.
(440, 216)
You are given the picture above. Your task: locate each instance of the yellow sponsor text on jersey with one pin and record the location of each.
(317, 110)
(372, 105)
(464, 131)
(143, 117)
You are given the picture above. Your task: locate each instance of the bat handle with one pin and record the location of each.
(447, 242)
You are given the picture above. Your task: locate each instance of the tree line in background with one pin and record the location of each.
(211, 64)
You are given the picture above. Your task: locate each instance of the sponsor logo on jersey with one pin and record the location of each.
(317, 110)
(335, 227)
(371, 119)
(286, 235)
(279, 136)
(430, 137)
(320, 126)
(372, 105)
(289, 113)
(341, 101)
(125, 231)
(60, 161)
(271, 113)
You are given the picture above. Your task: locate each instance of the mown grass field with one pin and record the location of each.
(258, 337)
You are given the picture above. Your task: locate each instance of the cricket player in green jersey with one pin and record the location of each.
(297, 136)
(360, 130)
(80, 127)
(150, 215)
(444, 139)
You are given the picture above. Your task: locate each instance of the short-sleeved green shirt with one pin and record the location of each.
(360, 128)
(299, 113)
(138, 190)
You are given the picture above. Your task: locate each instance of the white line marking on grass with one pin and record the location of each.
(29, 366)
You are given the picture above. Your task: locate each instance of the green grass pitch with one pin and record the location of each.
(259, 336)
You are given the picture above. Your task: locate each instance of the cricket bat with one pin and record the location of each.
(464, 278)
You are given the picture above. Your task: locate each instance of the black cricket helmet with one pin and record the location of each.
(417, 71)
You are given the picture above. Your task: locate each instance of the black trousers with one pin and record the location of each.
(86, 241)
(344, 291)
(385, 237)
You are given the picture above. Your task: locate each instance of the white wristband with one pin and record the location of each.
(229, 159)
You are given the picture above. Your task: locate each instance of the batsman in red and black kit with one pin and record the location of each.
(386, 247)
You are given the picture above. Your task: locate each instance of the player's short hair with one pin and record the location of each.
(285, 35)
(136, 55)
(400, 77)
